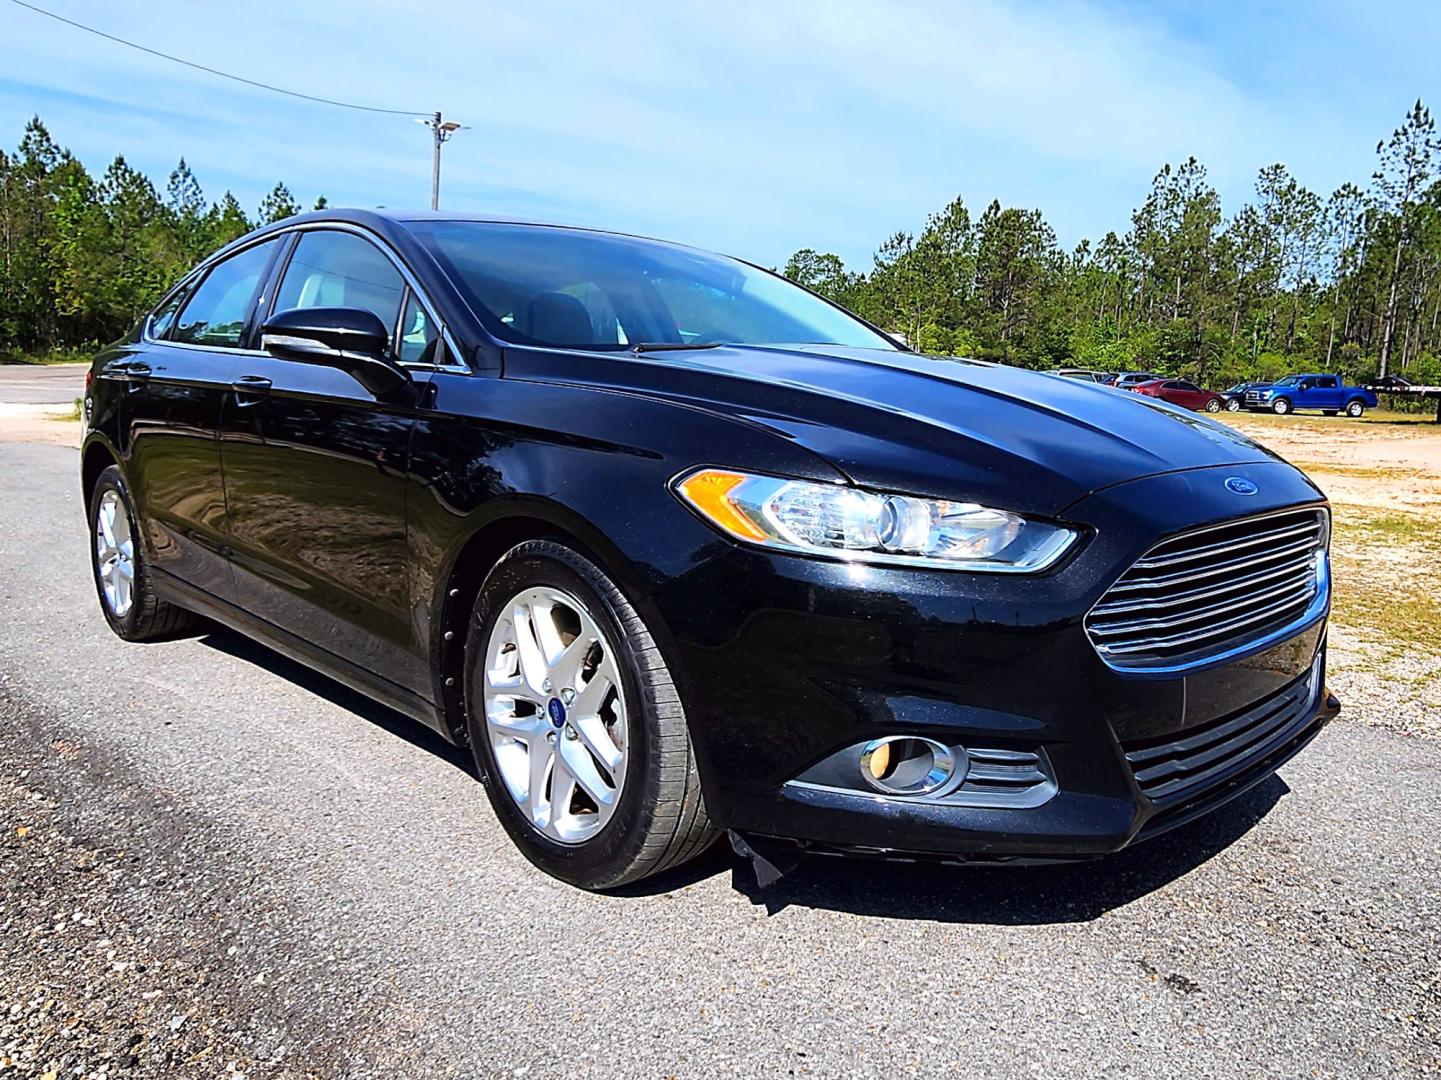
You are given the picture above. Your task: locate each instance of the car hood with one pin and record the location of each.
(938, 426)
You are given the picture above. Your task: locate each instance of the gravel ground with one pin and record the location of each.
(215, 861)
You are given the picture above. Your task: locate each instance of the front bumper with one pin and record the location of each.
(785, 662)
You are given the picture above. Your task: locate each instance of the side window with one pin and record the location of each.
(163, 318)
(417, 334)
(217, 311)
(1188, 386)
(1328, 383)
(340, 269)
(1175, 386)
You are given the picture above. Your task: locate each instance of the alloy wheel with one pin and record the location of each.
(115, 553)
(555, 714)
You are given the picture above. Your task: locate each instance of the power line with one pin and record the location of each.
(214, 71)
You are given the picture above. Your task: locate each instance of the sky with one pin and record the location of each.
(753, 127)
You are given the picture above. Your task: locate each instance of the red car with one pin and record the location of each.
(1179, 392)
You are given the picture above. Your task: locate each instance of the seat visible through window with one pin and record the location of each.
(341, 269)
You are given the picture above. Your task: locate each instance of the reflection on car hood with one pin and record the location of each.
(944, 427)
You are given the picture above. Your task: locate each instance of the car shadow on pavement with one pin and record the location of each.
(1018, 896)
(1012, 896)
(396, 723)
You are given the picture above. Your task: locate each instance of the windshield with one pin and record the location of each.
(543, 285)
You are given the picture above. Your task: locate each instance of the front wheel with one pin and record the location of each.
(1233, 406)
(1214, 405)
(1355, 409)
(122, 574)
(1280, 406)
(576, 724)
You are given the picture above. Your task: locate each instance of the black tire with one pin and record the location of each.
(1214, 405)
(1233, 405)
(660, 819)
(149, 618)
(1356, 409)
(1281, 406)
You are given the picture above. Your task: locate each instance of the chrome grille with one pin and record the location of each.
(1204, 593)
(1182, 764)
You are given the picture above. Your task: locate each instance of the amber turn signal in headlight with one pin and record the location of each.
(837, 521)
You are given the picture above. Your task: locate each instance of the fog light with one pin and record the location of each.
(906, 765)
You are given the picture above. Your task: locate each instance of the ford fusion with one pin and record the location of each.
(675, 547)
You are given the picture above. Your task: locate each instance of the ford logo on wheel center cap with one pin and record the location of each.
(557, 712)
(1240, 485)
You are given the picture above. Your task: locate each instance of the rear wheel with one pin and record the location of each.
(1355, 408)
(122, 575)
(1280, 406)
(576, 725)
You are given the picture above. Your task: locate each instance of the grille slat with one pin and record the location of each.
(1195, 596)
(1156, 561)
(1295, 566)
(1292, 585)
(1216, 569)
(1167, 772)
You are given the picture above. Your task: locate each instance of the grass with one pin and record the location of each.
(1401, 621)
(54, 356)
(76, 411)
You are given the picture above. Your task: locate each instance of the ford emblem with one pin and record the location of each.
(1240, 485)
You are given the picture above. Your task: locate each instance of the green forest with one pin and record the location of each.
(1293, 280)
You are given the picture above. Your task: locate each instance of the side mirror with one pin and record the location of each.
(351, 339)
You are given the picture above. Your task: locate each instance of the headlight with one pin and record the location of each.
(840, 522)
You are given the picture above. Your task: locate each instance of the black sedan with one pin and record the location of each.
(1235, 395)
(674, 546)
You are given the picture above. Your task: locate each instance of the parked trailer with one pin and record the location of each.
(1413, 392)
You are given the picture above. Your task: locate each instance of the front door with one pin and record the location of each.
(315, 477)
(177, 383)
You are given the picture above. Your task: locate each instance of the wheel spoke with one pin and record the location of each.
(532, 660)
(596, 737)
(562, 790)
(547, 635)
(107, 523)
(566, 667)
(542, 758)
(581, 765)
(592, 695)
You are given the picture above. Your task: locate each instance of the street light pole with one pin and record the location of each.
(435, 167)
(442, 131)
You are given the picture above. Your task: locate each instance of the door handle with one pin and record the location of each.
(250, 386)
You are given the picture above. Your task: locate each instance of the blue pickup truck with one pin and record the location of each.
(1329, 393)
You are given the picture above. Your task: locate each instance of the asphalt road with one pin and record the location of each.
(41, 384)
(214, 860)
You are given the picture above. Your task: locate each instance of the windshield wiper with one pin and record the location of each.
(661, 346)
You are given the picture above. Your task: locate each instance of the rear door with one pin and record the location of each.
(1327, 392)
(177, 385)
(315, 472)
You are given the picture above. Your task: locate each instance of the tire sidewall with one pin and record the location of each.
(112, 479)
(596, 861)
(1281, 407)
(1233, 406)
(1355, 409)
(1213, 406)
